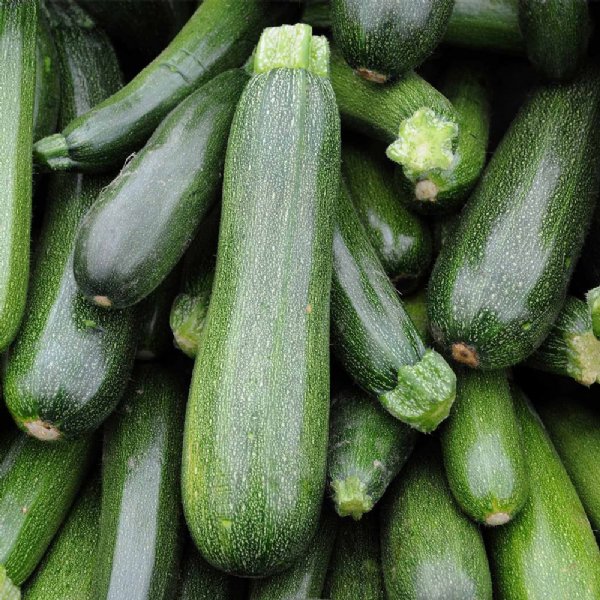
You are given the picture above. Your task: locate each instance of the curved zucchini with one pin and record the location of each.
(18, 27)
(367, 449)
(219, 36)
(549, 551)
(270, 303)
(139, 546)
(500, 283)
(71, 361)
(374, 338)
(483, 451)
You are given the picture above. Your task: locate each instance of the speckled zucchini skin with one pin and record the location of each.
(500, 283)
(248, 411)
(549, 550)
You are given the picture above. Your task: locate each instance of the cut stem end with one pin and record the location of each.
(350, 498)
(465, 354)
(102, 301)
(495, 519)
(426, 191)
(42, 430)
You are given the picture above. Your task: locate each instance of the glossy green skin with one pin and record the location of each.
(71, 361)
(139, 546)
(556, 34)
(549, 550)
(401, 240)
(416, 308)
(355, 567)
(387, 38)
(306, 578)
(574, 427)
(219, 36)
(66, 571)
(18, 28)
(38, 483)
(248, 413)
(500, 283)
(367, 443)
(429, 549)
(483, 450)
(154, 206)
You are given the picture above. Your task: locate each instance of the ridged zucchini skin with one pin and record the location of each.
(37, 486)
(549, 550)
(306, 578)
(71, 361)
(367, 450)
(247, 409)
(140, 533)
(219, 36)
(556, 34)
(65, 573)
(383, 39)
(483, 450)
(400, 238)
(501, 281)
(18, 29)
(429, 549)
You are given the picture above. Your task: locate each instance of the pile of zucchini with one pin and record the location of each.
(382, 260)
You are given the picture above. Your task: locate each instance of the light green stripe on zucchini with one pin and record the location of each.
(8, 591)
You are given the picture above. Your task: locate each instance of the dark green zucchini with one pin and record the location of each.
(383, 39)
(483, 450)
(317, 13)
(8, 590)
(140, 533)
(18, 27)
(549, 550)
(219, 36)
(248, 411)
(556, 34)
(499, 284)
(374, 338)
(415, 306)
(429, 549)
(367, 449)
(401, 239)
(71, 361)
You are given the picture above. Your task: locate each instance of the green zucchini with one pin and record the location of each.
(8, 590)
(549, 550)
(588, 271)
(38, 483)
(482, 449)
(499, 284)
(367, 449)
(306, 578)
(18, 26)
(355, 567)
(71, 361)
(556, 34)
(139, 546)
(158, 200)
(220, 35)
(374, 338)
(415, 306)
(401, 239)
(65, 573)
(383, 39)
(248, 411)
(429, 549)
(317, 13)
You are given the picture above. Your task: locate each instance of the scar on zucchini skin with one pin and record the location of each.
(103, 301)
(499, 518)
(42, 430)
(373, 76)
(465, 354)
(426, 191)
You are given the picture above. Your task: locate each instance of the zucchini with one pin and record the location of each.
(248, 411)
(401, 240)
(139, 546)
(588, 271)
(483, 451)
(71, 361)
(18, 26)
(220, 35)
(65, 573)
(306, 578)
(416, 308)
(158, 200)
(317, 13)
(383, 39)
(429, 549)
(549, 551)
(367, 449)
(556, 34)
(374, 338)
(38, 483)
(8, 591)
(501, 281)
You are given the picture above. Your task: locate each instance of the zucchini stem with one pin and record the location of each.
(52, 153)
(593, 302)
(350, 497)
(8, 590)
(42, 430)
